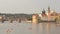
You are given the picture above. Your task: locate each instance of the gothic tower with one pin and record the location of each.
(48, 9)
(43, 12)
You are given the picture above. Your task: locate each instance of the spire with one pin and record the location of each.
(43, 12)
(43, 9)
(48, 9)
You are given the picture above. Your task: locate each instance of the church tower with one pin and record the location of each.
(43, 12)
(48, 9)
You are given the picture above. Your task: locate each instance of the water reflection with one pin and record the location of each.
(57, 24)
(40, 28)
(30, 28)
(34, 28)
(45, 28)
(48, 28)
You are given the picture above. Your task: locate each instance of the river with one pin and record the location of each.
(29, 28)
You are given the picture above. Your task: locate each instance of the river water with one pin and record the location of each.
(29, 28)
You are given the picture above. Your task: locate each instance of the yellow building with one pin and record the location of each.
(35, 18)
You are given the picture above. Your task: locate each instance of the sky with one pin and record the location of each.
(28, 6)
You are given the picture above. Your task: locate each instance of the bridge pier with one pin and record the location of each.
(19, 20)
(10, 20)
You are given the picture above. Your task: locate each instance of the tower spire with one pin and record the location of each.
(48, 9)
(43, 12)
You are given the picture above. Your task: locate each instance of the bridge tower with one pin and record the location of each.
(35, 18)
